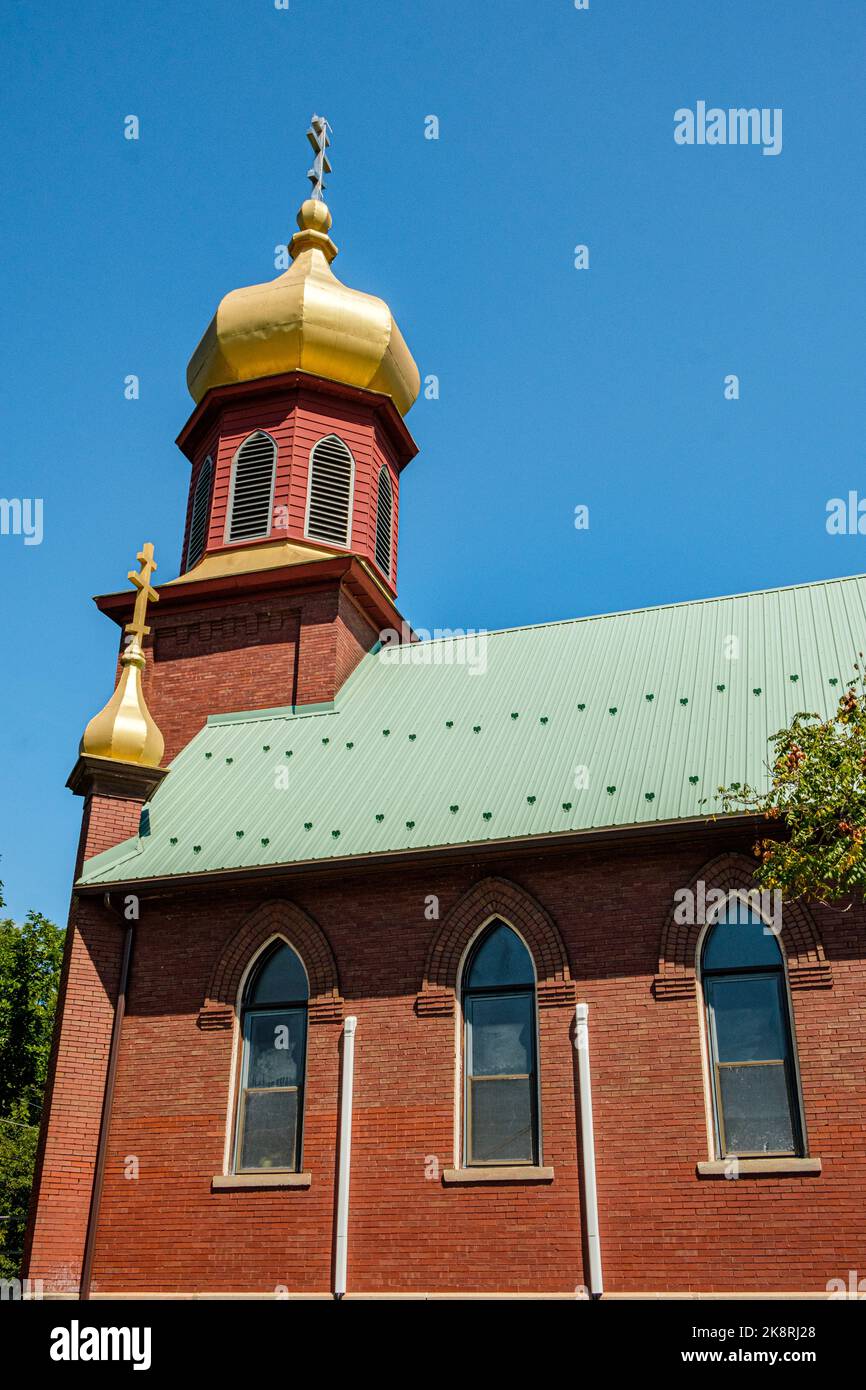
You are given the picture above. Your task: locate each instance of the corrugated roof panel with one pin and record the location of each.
(430, 748)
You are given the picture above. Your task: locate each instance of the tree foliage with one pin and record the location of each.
(817, 796)
(30, 960)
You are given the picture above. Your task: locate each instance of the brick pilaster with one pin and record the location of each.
(63, 1182)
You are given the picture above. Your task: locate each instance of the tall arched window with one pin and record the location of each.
(753, 1072)
(200, 513)
(500, 1088)
(252, 488)
(384, 522)
(271, 1102)
(329, 496)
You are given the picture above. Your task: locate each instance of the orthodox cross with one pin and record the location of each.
(138, 629)
(318, 138)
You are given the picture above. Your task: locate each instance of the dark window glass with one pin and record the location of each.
(751, 1051)
(270, 1130)
(275, 1040)
(747, 1017)
(500, 959)
(757, 1109)
(502, 1028)
(739, 939)
(280, 978)
(270, 1108)
(501, 1123)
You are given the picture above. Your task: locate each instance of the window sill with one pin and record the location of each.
(761, 1167)
(518, 1173)
(223, 1182)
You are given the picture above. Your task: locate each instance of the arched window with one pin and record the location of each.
(252, 488)
(384, 522)
(200, 513)
(753, 1073)
(271, 1102)
(329, 497)
(500, 1090)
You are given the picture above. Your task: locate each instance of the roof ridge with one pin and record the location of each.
(461, 634)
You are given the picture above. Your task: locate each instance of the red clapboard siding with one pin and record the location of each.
(297, 418)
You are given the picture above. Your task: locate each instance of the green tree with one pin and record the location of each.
(817, 797)
(30, 960)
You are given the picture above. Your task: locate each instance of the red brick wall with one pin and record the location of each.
(219, 658)
(296, 647)
(106, 821)
(662, 1227)
(73, 1097)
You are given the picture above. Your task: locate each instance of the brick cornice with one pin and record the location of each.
(277, 918)
(494, 897)
(347, 572)
(808, 967)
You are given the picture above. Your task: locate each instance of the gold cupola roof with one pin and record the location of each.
(306, 320)
(124, 731)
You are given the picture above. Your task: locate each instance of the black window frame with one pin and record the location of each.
(470, 993)
(248, 1012)
(709, 979)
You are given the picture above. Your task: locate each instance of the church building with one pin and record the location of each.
(427, 969)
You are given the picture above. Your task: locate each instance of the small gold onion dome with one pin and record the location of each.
(125, 730)
(306, 320)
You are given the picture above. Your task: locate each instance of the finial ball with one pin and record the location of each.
(314, 216)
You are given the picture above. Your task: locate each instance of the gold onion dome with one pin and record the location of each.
(124, 730)
(306, 320)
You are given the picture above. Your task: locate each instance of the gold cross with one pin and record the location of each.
(138, 629)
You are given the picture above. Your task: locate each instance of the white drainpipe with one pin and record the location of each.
(345, 1158)
(581, 1043)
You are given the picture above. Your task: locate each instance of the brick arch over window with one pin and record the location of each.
(494, 897)
(808, 967)
(279, 918)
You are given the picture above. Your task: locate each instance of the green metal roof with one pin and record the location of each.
(658, 706)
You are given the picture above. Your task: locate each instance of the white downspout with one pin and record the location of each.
(587, 1135)
(345, 1158)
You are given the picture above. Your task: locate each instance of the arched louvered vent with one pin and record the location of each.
(384, 523)
(200, 514)
(252, 488)
(329, 505)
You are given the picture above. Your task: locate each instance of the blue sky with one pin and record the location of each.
(558, 387)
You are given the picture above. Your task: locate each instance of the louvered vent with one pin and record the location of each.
(330, 498)
(384, 523)
(200, 512)
(253, 488)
